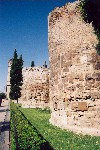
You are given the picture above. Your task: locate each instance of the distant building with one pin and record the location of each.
(8, 78)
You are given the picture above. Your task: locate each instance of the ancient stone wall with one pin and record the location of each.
(74, 71)
(35, 88)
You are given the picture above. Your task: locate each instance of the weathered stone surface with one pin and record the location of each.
(35, 88)
(74, 105)
(82, 106)
(72, 45)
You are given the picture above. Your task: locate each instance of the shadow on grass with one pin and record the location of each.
(44, 146)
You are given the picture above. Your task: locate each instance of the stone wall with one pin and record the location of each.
(35, 88)
(74, 71)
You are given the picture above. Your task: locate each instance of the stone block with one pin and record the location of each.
(80, 114)
(82, 106)
(90, 115)
(92, 109)
(81, 78)
(74, 105)
(68, 113)
(95, 95)
(66, 69)
(97, 66)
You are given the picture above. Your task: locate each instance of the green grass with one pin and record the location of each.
(59, 139)
(23, 135)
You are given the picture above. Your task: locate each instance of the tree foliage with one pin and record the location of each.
(90, 10)
(45, 65)
(32, 64)
(16, 76)
(2, 95)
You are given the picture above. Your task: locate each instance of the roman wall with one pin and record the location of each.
(74, 71)
(35, 88)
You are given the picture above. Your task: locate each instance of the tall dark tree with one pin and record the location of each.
(16, 77)
(2, 96)
(45, 65)
(32, 64)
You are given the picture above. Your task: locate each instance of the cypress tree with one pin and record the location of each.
(45, 65)
(32, 64)
(2, 96)
(16, 77)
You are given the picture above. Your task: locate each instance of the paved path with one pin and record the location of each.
(4, 125)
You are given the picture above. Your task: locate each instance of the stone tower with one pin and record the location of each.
(8, 78)
(74, 71)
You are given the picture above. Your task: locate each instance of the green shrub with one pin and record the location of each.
(12, 136)
(2, 95)
(23, 135)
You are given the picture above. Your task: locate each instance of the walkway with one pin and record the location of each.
(4, 125)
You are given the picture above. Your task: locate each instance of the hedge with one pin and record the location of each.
(23, 135)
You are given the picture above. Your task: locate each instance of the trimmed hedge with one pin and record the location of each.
(23, 135)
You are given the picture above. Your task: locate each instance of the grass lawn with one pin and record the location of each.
(23, 136)
(59, 139)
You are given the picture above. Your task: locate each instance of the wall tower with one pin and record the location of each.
(74, 71)
(8, 78)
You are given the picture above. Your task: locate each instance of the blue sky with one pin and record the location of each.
(24, 26)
